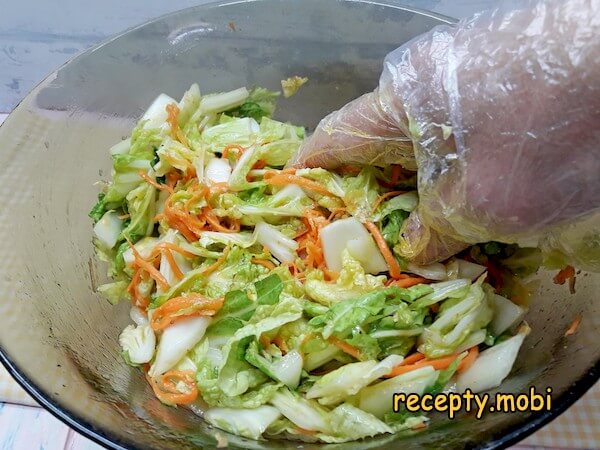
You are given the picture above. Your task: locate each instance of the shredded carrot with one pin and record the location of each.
(574, 325)
(173, 121)
(230, 147)
(411, 359)
(215, 223)
(132, 288)
(172, 118)
(396, 172)
(149, 267)
(283, 179)
(419, 426)
(279, 342)
(214, 266)
(264, 340)
(564, 274)
(434, 308)
(161, 187)
(172, 178)
(330, 275)
(468, 360)
(263, 262)
(174, 267)
(345, 347)
(438, 364)
(383, 197)
(385, 250)
(187, 224)
(260, 164)
(196, 196)
(336, 213)
(165, 387)
(408, 282)
(175, 248)
(177, 308)
(222, 186)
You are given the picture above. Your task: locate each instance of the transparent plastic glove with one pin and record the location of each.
(503, 112)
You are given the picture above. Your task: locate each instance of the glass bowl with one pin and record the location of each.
(59, 338)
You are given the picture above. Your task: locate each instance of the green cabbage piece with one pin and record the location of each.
(259, 104)
(257, 392)
(250, 423)
(341, 383)
(352, 282)
(235, 273)
(114, 292)
(456, 320)
(351, 423)
(360, 193)
(126, 167)
(141, 205)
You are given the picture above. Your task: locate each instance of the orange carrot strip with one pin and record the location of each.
(408, 282)
(173, 120)
(222, 186)
(468, 360)
(161, 187)
(230, 147)
(330, 275)
(189, 226)
(385, 250)
(165, 389)
(573, 327)
(264, 340)
(345, 347)
(419, 426)
(411, 359)
(182, 307)
(214, 266)
(216, 224)
(438, 364)
(263, 262)
(148, 267)
(172, 178)
(383, 197)
(194, 199)
(174, 267)
(175, 248)
(279, 342)
(283, 179)
(132, 288)
(564, 274)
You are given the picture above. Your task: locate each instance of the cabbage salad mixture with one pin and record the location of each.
(272, 299)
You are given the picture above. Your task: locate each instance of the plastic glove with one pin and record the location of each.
(501, 115)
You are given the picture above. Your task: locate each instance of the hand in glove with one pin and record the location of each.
(501, 116)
